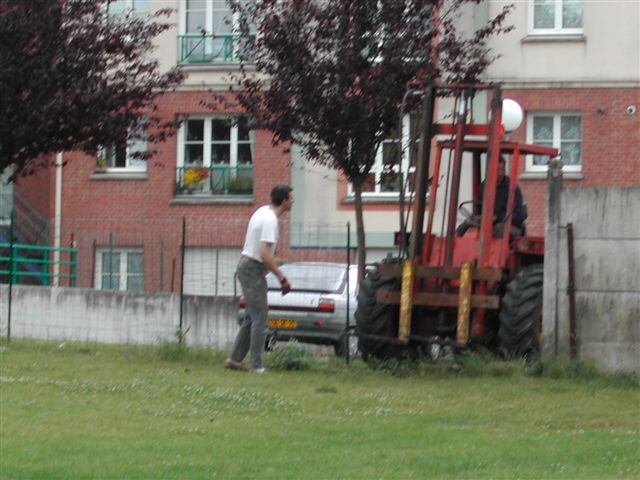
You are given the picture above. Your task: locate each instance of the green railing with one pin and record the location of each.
(221, 48)
(215, 180)
(32, 264)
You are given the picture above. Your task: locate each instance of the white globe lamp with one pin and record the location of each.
(512, 115)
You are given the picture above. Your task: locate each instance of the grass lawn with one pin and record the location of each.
(110, 412)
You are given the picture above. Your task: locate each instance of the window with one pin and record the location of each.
(216, 141)
(125, 154)
(555, 16)
(211, 33)
(122, 7)
(384, 178)
(558, 130)
(215, 156)
(119, 269)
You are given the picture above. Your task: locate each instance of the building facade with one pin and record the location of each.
(574, 67)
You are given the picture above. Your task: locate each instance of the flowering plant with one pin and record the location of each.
(195, 177)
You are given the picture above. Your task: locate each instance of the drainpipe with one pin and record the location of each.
(57, 221)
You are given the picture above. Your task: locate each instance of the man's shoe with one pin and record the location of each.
(259, 371)
(233, 365)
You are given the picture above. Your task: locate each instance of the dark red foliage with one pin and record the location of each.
(74, 77)
(332, 73)
(335, 71)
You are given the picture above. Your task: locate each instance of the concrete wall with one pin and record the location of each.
(606, 225)
(79, 314)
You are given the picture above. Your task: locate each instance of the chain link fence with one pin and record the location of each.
(140, 280)
(195, 255)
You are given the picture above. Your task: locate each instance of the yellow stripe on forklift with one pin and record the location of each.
(464, 304)
(406, 301)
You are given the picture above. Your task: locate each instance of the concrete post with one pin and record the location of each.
(551, 258)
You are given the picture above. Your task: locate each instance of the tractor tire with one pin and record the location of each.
(521, 314)
(373, 318)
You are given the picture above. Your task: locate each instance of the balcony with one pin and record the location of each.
(223, 48)
(215, 180)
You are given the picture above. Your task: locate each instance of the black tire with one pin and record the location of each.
(521, 314)
(373, 318)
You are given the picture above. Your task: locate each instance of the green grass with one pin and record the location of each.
(106, 412)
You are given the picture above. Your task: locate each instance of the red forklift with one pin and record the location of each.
(447, 288)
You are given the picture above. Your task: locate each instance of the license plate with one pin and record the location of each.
(283, 323)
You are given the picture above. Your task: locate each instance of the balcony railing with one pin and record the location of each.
(215, 180)
(221, 48)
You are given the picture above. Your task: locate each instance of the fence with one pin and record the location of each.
(592, 279)
(138, 280)
(88, 315)
(197, 254)
(34, 264)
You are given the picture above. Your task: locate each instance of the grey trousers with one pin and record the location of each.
(253, 328)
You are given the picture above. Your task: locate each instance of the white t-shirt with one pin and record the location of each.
(263, 227)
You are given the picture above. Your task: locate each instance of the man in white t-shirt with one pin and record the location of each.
(256, 260)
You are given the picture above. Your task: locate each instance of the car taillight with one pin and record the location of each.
(242, 303)
(326, 305)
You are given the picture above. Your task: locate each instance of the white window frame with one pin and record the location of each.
(558, 28)
(210, 13)
(206, 159)
(123, 274)
(556, 141)
(133, 7)
(131, 164)
(208, 17)
(378, 167)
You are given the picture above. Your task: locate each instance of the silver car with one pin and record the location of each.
(315, 311)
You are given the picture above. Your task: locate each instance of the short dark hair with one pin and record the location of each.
(502, 160)
(280, 193)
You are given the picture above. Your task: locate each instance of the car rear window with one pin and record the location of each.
(317, 278)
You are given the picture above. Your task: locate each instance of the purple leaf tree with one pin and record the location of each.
(75, 76)
(330, 75)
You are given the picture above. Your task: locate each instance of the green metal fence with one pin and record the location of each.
(36, 264)
(220, 48)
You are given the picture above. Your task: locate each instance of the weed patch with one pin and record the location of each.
(291, 356)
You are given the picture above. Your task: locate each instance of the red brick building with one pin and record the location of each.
(573, 67)
(609, 140)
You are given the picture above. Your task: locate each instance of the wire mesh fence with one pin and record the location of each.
(139, 280)
(195, 256)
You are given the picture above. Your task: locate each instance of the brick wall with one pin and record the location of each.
(135, 211)
(610, 140)
(38, 189)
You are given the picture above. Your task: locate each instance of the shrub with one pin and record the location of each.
(289, 357)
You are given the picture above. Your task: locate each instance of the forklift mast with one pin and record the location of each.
(458, 130)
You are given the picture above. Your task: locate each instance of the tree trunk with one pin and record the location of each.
(362, 248)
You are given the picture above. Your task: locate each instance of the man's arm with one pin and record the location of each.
(269, 261)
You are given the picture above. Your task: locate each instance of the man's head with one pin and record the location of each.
(502, 168)
(281, 196)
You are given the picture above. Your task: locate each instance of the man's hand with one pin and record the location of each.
(285, 286)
